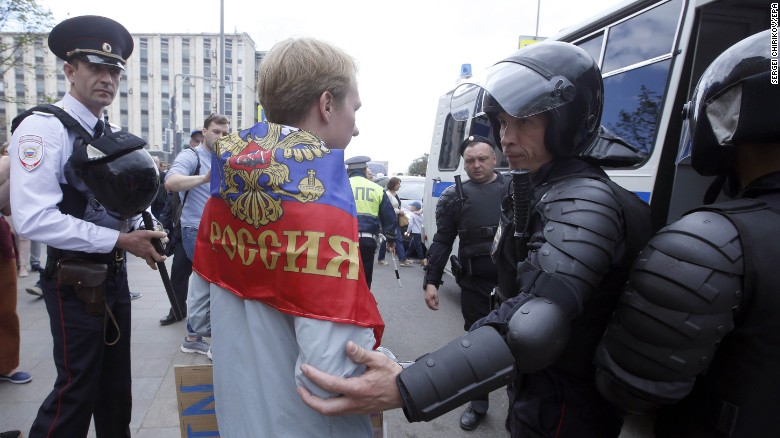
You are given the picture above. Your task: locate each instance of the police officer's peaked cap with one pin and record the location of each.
(359, 162)
(471, 139)
(102, 40)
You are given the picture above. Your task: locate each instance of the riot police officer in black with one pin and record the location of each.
(469, 211)
(696, 337)
(562, 261)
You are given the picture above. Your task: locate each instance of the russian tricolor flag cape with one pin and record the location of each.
(281, 227)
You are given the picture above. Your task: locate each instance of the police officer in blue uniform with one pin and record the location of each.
(374, 212)
(84, 206)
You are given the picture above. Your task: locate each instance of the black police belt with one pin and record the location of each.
(477, 233)
(114, 259)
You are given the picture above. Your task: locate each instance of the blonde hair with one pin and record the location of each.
(296, 72)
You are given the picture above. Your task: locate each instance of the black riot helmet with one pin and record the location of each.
(119, 171)
(551, 77)
(734, 103)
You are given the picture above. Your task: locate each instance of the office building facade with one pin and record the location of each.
(171, 85)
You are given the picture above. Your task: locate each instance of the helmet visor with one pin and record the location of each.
(516, 89)
(684, 148)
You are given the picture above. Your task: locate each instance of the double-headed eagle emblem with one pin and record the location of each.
(254, 181)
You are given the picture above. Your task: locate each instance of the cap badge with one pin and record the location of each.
(107, 47)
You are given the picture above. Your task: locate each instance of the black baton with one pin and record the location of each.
(521, 200)
(459, 188)
(149, 225)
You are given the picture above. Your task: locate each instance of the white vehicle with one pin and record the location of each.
(412, 188)
(651, 55)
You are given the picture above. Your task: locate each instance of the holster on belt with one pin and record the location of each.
(88, 280)
(457, 268)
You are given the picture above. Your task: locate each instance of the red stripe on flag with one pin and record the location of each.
(314, 272)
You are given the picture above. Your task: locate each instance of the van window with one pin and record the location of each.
(636, 72)
(633, 101)
(592, 45)
(454, 133)
(643, 37)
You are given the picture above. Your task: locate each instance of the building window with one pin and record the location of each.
(144, 125)
(228, 50)
(185, 56)
(144, 58)
(144, 49)
(40, 76)
(164, 57)
(61, 90)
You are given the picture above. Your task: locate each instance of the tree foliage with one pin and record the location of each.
(638, 127)
(419, 165)
(26, 20)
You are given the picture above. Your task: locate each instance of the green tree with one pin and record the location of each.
(419, 165)
(22, 24)
(638, 127)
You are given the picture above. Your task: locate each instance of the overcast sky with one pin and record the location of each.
(409, 51)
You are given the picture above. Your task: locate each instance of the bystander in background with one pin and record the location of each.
(392, 195)
(9, 320)
(190, 177)
(414, 231)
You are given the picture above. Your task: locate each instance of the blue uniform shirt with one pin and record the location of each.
(39, 149)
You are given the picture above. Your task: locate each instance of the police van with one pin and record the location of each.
(651, 54)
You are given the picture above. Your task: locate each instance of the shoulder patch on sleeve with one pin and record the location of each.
(30, 151)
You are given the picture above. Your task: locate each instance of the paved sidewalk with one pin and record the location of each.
(155, 351)
(411, 331)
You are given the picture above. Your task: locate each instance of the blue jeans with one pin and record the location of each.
(188, 237)
(415, 246)
(399, 247)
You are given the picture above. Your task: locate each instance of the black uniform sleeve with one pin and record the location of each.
(671, 317)
(576, 245)
(387, 218)
(447, 214)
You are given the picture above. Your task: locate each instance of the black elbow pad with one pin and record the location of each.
(537, 333)
(469, 366)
